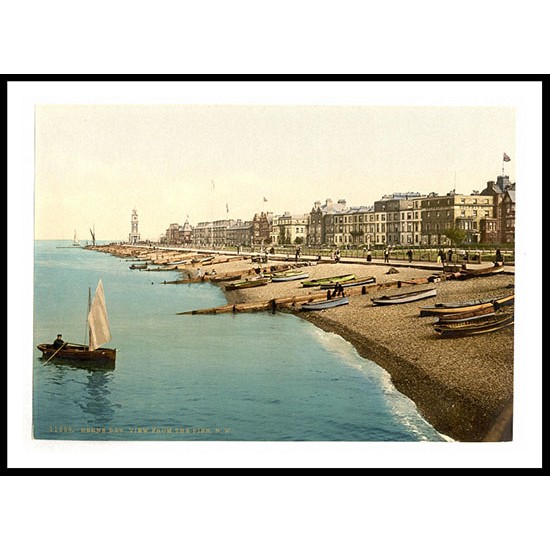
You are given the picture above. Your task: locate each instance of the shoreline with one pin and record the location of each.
(462, 386)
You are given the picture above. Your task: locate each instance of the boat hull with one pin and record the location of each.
(473, 307)
(330, 281)
(356, 282)
(315, 306)
(104, 357)
(471, 328)
(404, 298)
(296, 277)
(246, 284)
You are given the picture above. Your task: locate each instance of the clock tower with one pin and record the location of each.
(133, 238)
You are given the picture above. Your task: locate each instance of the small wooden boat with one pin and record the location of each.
(99, 333)
(466, 316)
(79, 353)
(289, 277)
(354, 282)
(202, 259)
(324, 304)
(473, 327)
(247, 284)
(138, 266)
(467, 307)
(331, 281)
(483, 272)
(405, 297)
(178, 262)
(224, 278)
(445, 320)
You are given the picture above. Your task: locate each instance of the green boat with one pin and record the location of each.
(329, 280)
(247, 284)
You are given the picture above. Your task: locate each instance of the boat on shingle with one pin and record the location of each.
(405, 297)
(324, 304)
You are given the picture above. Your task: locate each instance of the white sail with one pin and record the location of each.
(98, 320)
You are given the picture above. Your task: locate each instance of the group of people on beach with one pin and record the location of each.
(338, 290)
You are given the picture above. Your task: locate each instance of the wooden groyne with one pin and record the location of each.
(291, 302)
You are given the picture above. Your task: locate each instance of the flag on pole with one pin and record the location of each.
(506, 158)
(227, 207)
(265, 200)
(213, 187)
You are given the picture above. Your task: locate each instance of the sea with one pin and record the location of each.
(244, 377)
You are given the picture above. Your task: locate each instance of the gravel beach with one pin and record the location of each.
(462, 386)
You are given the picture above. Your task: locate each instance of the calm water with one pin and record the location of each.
(253, 377)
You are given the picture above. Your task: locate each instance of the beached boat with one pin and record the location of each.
(247, 284)
(470, 306)
(354, 282)
(178, 262)
(453, 318)
(224, 278)
(202, 259)
(329, 280)
(99, 333)
(405, 297)
(324, 304)
(483, 272)
(473, 327)
(289, 277)
(138, 266)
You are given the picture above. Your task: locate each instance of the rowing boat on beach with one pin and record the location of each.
(224, 278)
(324, 304)
(483, 272)
(290, 277)
(404, 297)
(473, 327)
(247, 284)
(354, 282)
(453, 318)
(329, 280)
(470, 306)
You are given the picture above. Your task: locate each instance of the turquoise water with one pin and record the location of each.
(245, 377)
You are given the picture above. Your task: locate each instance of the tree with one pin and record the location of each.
(456, 236)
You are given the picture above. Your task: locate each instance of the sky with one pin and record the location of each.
(95, 163)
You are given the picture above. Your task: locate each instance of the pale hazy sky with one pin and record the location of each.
(94, 164)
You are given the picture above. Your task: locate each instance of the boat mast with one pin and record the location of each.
(87, 335)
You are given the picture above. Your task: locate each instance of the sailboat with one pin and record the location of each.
(99, 334)
(75, 240)
(75, 243)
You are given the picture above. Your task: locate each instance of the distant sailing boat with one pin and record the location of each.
(75, 243)
(75, 240)
(99, 334)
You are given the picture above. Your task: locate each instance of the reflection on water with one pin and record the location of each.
(96, 397)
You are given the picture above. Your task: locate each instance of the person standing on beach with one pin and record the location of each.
(387, 255)
(449, 255)
(499, 260)
(410, 255)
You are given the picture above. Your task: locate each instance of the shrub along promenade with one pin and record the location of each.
(462, 386)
